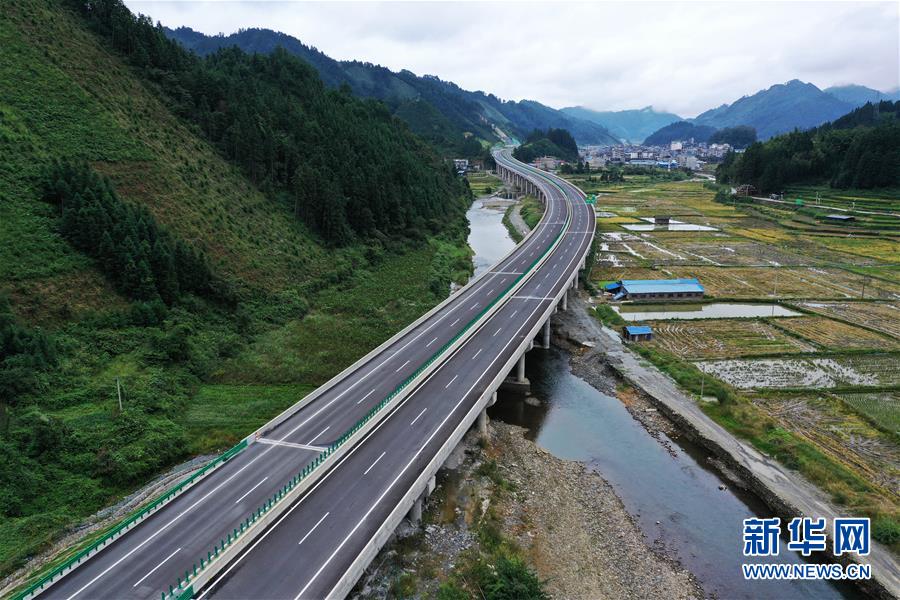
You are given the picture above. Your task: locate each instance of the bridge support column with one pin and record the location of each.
(415, 513)
(520, 372)
(565, 300)
(483, 424)
(575, 284)
(432, 483)
(547, 334)
(493, 399)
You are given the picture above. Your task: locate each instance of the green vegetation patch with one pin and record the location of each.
(224, 414)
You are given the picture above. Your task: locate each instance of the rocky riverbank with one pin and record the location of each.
(561, 517)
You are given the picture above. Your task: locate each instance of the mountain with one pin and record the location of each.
(781, 108)
(553, 142)
(467, 112)
(680, 130)
(857, 95)
(628, 125)
(176, 264)
(860, 150)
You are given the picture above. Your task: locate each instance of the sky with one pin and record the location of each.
(684, 57)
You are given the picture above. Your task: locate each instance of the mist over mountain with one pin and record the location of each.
(857, 95)
(629, 125)
(451, 112)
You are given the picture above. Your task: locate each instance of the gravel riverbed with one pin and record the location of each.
(565, 519)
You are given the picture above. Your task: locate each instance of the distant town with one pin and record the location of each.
(686, 154)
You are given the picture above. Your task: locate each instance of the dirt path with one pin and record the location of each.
(785, 491)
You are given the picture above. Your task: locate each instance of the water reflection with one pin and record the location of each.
(715, 310)
(488, 237)
(700, 522)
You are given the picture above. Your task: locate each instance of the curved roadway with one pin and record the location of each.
(307, 551)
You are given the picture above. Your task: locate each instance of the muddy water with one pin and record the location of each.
(698, 523)
(677, 487)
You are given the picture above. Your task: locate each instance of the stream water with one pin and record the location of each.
(488, 237)
(698, 523)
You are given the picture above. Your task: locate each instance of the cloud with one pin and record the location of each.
(684, 57)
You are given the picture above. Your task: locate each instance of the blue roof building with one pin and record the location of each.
(656, 289)
(633, 333)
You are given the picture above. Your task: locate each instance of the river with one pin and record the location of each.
(698, 523)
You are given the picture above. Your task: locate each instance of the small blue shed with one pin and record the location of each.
(636, 333)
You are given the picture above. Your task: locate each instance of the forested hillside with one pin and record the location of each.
(553, 142)
(859, 150)
(149, 242)
(351, 169)
(680, 130)
(468, 112)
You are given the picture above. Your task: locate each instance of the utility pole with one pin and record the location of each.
(775, 291)
(119, 392)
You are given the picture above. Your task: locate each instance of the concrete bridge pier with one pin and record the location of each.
(483, 424)
(547, 334)
(518, 384)
(565, 300)
(415, 513)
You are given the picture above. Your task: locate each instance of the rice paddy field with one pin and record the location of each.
(830, 377)
(482, 183)
(880, 316)
(882, 408)
(831, 335)
(826, 283)
(724, 338)
(868, 370)
(842, 426)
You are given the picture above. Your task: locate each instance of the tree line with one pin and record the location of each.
(351, 169)
(142, 259)
(859, 150)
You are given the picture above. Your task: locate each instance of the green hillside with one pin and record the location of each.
(198, 370)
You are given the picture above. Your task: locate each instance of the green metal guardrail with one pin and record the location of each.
(184, 586)
(124, 525)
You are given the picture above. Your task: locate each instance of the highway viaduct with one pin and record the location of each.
(300, 507)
